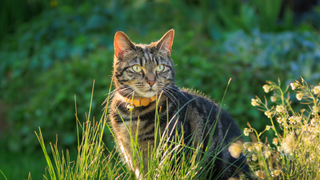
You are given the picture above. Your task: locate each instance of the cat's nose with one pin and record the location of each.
(151, 83)
(151, 79)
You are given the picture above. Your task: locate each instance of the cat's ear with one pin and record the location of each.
(166, 41)
(122, 44)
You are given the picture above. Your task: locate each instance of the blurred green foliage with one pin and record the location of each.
(58, 54)
(16, 12)
(17, 166)
(46, 63)
(250, 60)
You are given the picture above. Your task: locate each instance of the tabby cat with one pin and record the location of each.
(143, 72)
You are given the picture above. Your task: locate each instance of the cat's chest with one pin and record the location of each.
(138, 125)
(131, 127)
(135, 132)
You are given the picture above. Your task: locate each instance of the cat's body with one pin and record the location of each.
(145, 74)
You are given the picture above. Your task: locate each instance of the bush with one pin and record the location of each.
(50, 102)
(40, 81)
(249, 60)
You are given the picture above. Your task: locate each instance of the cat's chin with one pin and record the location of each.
(148, 94)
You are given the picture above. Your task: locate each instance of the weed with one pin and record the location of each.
(294, 151)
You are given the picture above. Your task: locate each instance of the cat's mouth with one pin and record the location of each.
(150, 89)
(149, 93)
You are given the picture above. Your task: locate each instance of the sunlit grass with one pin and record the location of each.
(90, 163)
(293, 153)
(4, 176)
(173, 158)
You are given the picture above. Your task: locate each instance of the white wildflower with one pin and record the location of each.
(315, 110)
(268, 127)
(313, 122)
(275, 173)
(260, 174)
(268, 114)
(280, 119)
(254, 102)
(294, 85)
(254, 157)
(267, 88)
(316, 90)
(287, 145)
(273, 98)
(267, 153)
(294, 119)
(275, 141)
(246, 131)
(299, 96)
(280, 108)
(258, 146)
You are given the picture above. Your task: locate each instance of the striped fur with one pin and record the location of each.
(197, 117)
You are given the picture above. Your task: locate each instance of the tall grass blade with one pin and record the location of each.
(3, 175)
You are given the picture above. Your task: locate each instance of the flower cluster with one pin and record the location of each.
(316, 90)
(246, 131)
(255, 102)
(261, 154)
(298, 141)
(267, 88)
(295, 85)
(288, 144)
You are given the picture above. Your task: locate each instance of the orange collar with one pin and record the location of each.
(137, 102)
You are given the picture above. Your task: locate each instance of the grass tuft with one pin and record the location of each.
(3, 175)
(293, 153)
(172, 157)
(91, 161)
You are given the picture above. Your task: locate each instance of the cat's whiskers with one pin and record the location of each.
(128, 88)
(170, 89)
(170, 96)
(124, 89)
(168, 93)
(121, 87)
(118, 89)
(178, 91)
(111, 94)
(125, 101)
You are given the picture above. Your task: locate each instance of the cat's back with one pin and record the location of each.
(204, 115)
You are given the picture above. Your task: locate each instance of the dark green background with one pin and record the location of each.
(53, 50)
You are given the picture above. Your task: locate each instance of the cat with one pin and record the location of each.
(143, 72)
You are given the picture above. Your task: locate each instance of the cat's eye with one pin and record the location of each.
(160, 68)
(136, 68)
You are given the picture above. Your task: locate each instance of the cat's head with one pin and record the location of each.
(140, 68)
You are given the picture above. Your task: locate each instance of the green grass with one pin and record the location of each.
(293, 153)
(90, 162)
(95, 161)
